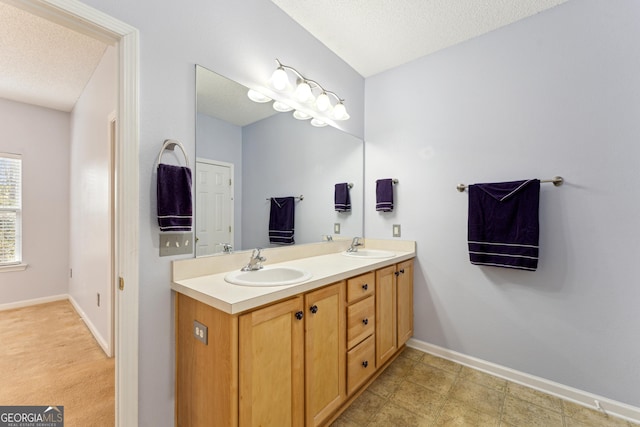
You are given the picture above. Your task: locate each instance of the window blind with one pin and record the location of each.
(10, 208)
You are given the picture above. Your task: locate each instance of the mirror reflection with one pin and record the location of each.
(247, 153)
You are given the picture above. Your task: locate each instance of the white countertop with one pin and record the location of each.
(213, 290)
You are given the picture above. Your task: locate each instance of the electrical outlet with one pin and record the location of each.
(336, 228)
(201, 332)
(396, 230)
(98, 299)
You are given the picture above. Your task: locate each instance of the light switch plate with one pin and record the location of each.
(336, 228)
(176, 244)
(396, 230)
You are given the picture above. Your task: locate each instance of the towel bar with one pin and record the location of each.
(301, 197)
(556, 180)
(170, 144)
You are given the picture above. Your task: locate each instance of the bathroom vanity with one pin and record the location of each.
(293, 355)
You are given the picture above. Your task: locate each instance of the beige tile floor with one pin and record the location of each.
(419, 389)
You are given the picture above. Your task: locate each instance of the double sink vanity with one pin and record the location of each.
(292, 343)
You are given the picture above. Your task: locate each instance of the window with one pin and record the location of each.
(10, 209)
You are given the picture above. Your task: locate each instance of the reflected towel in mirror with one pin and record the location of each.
(282, 220)
(342, 198)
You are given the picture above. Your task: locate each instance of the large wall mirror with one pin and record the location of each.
(247, 153)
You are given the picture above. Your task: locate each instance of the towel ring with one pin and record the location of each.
(170, 144)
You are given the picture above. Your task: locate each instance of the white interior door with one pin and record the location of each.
(214, 206)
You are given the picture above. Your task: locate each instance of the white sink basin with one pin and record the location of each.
(268, 276)
(370, 253)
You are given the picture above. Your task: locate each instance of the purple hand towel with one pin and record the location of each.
(341, 198)
(503, 226)
(384, 195)
(281, 220)
(175, 207)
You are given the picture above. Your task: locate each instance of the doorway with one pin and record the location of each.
(89, 21)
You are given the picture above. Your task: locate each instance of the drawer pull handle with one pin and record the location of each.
(365, 286)
(365, 363)
(365, 321)
(314, 309)
(299, 315)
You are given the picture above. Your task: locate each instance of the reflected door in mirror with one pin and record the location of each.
(214, 207)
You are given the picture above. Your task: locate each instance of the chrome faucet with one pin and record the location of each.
(227, 248)
(354, 245)
(255, 263)
(327, 237)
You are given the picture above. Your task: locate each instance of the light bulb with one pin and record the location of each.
(256, 96)
(279, 79)
(300, 115)
(322, 102)
(303, 91)
(281, 107)
(317, 123)
(340, 112)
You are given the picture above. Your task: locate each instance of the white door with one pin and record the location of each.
(214, 206)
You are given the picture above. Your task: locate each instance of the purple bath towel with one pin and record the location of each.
(281, 220)
(341, 198)
(175, 207)
(503, 224)
(384, 195)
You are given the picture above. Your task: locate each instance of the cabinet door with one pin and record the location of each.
(404, 285)
(386, 341)
(271, 365)
(325, 337)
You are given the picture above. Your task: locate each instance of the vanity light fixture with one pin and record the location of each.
(308, 95)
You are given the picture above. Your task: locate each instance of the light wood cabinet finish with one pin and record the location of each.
(405, 301)
(361, 364)
(282, 365)
(324, 352)
(361, 286)
(386, 318)
(361, 321)
(271, 366)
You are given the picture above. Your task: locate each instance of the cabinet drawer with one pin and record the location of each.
(361, 320)
(361, 364)
(361, 286)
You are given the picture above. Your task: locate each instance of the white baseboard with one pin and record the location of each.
(30, 302)
(94, 331)
(611, 407)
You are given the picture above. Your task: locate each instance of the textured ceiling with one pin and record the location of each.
(376, 35)
(43, 63)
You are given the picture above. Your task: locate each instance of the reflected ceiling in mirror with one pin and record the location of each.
(248, 153)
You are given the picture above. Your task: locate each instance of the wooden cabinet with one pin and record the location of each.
(271, 370)
(404, 296)
(325, 340)
(394, 309)
(296, 362)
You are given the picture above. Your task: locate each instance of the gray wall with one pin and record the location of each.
(239, 40)
(555, 94)
(41, 135)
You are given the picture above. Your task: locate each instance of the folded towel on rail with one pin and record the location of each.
(341, 198)
(281, 220)
(503, 227)
(384, 195)
(174, 204)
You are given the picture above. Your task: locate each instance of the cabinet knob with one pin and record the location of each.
(365, 321)
(313, 309)
(365, 286)
(397, 273)
(402, 270)
(299, 315)
(365, 363)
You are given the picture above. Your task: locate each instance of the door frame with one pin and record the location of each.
(94, 23)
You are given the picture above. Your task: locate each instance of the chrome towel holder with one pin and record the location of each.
(556, 180)
(170, 144)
